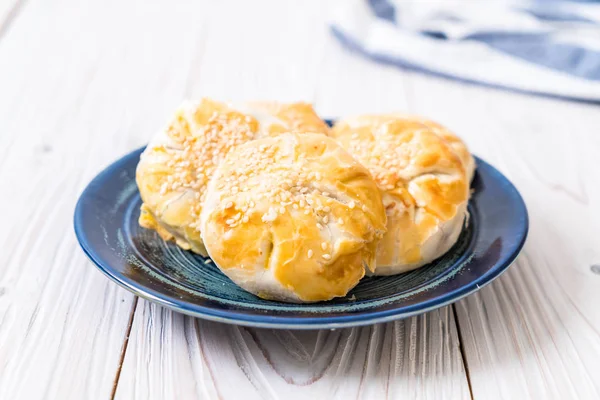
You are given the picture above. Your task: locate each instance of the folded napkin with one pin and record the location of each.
(546, 47)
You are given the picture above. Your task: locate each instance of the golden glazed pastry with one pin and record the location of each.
(293, 218)
(175, 168)
(423, 172)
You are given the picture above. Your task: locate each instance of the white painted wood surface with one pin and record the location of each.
(174, 356)
(536, 331)
(83, 82)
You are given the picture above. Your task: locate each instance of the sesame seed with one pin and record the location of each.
(230, 221)
(229, 205)
(310, 253)
(325, 219)
(352, 204)
(327, 209)
(340, 221)
(245, 219)
(324, 245)
(326, 256)
(319, 226)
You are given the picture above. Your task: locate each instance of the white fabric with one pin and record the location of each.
(355, 23)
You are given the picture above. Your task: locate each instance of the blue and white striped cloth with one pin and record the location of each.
(547, 47)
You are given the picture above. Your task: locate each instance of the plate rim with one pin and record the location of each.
(287, 322)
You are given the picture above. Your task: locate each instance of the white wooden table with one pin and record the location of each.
(82, 83)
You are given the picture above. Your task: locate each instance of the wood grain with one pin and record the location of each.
(79, 96)
(535, 333)
(83, 82)
(175, 356)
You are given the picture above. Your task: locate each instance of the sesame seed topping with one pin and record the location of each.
(310, 253)
(319, 226)
(195, 150)
(326, 256)
(324, 245)
(352, 204)
(327, 209)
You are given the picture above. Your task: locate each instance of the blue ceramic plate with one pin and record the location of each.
(106, 225)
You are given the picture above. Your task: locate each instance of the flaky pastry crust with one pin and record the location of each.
(293, 218)
(175, 168)
(423, 172)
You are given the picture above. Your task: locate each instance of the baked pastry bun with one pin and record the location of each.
(175, 168)
(293, 218)
(423, 172)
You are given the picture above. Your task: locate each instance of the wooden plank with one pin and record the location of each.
(264, 50)
(172, 356)
(535, 333)
(175, 356)
(82, 87)
(351, 85)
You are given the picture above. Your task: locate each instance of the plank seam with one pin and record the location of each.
(461, 347)
(124, 348)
